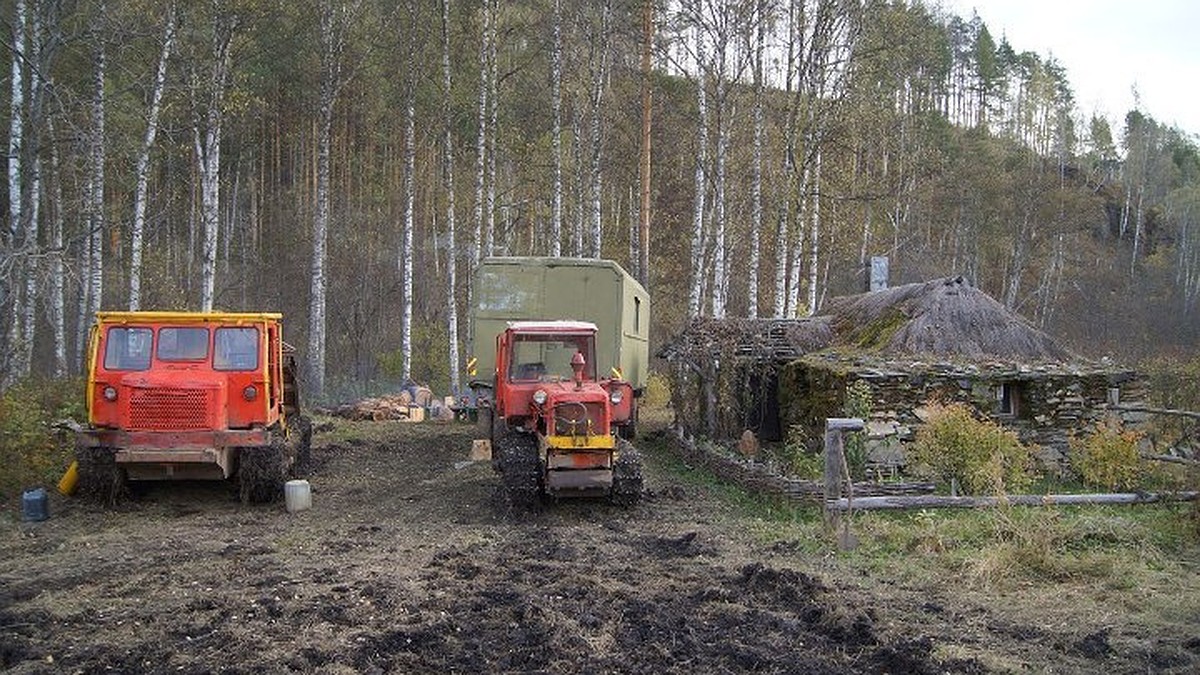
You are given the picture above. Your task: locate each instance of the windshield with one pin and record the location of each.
(547, 358)
(237, 349)
(182, 344)
(127, 349)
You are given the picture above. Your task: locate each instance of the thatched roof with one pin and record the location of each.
(944, 317)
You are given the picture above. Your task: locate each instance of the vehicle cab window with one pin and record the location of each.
(236, 349)
(127, 348)
(182, 344)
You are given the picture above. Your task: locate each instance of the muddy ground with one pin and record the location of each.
(409, 563)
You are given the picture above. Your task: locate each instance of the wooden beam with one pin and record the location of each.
(942, 502)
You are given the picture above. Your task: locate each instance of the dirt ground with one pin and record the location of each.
(408, 563)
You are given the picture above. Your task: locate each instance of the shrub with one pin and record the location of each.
(658, 392)
(31, 452)
(1108, 457)
(980, 455)
(858, 404)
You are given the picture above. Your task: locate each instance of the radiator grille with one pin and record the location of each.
(573, 419)
(168, 409)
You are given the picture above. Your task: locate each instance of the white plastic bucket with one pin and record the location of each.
(297, 494)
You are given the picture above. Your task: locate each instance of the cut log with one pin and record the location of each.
(942, 502)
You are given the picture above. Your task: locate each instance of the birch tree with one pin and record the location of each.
(599, 76)
(756, 188)
(556, 67)
(9, 255)
(481, 135)
(95, 191)
(448, 186)
(701, 188)
(209, 84)
(336, 17)
(142, 170)
(410, 154)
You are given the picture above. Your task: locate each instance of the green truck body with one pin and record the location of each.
(546, 289)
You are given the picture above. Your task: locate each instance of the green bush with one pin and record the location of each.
(980, 455)
(430, 355)
(858, 404)
(31, 451)
(1108, 457)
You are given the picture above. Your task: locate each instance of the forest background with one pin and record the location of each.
(347, 162)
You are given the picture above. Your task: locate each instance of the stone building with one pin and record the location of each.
(941, 340)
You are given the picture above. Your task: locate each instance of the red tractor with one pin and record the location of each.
(188, 395)
(554, 421)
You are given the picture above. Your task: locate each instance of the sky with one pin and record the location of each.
(1108, 47)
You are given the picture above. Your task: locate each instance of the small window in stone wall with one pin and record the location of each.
(1008, 399)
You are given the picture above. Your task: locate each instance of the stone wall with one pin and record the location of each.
(1048, 403)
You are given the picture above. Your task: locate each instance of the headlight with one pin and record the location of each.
(250, 393)
(616, 395)
(539, 397)
(110, 394)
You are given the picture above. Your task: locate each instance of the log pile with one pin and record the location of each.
(415, 405)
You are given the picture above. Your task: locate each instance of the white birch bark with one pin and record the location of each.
(206, 138)
(96, 219)
(796, 265)
(58, 322)
(701, 187)
(814, 241)
(599, 79)
(556, 134)
(719, 285)
(448, 184)
(336, 16)
(493, 125)
(480, 141)
(756, 188)
(410, 155)
(16, 120)
(10, 301)
(142, 170)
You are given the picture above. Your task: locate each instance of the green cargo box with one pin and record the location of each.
(545, 289)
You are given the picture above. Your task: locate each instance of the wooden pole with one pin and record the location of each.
(834, 426)
(941, 502)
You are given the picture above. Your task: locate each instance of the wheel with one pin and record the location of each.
(261, 471)
(627, 476)
(100, 479)
(516, 457)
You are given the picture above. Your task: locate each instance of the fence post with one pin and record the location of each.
(834, 427)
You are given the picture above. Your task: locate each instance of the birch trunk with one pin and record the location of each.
(410, 154)
(448, 178)
(599, 77)
(58, 322)
(10, 301)
(756, 191)
(96, 194)
(814, 241)
(580, 204)
(698, 203)
(556, 134)
(481, 141)
(719, 284)
(142, 170)
(16, 121)
(493, 125)
(206, 138)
